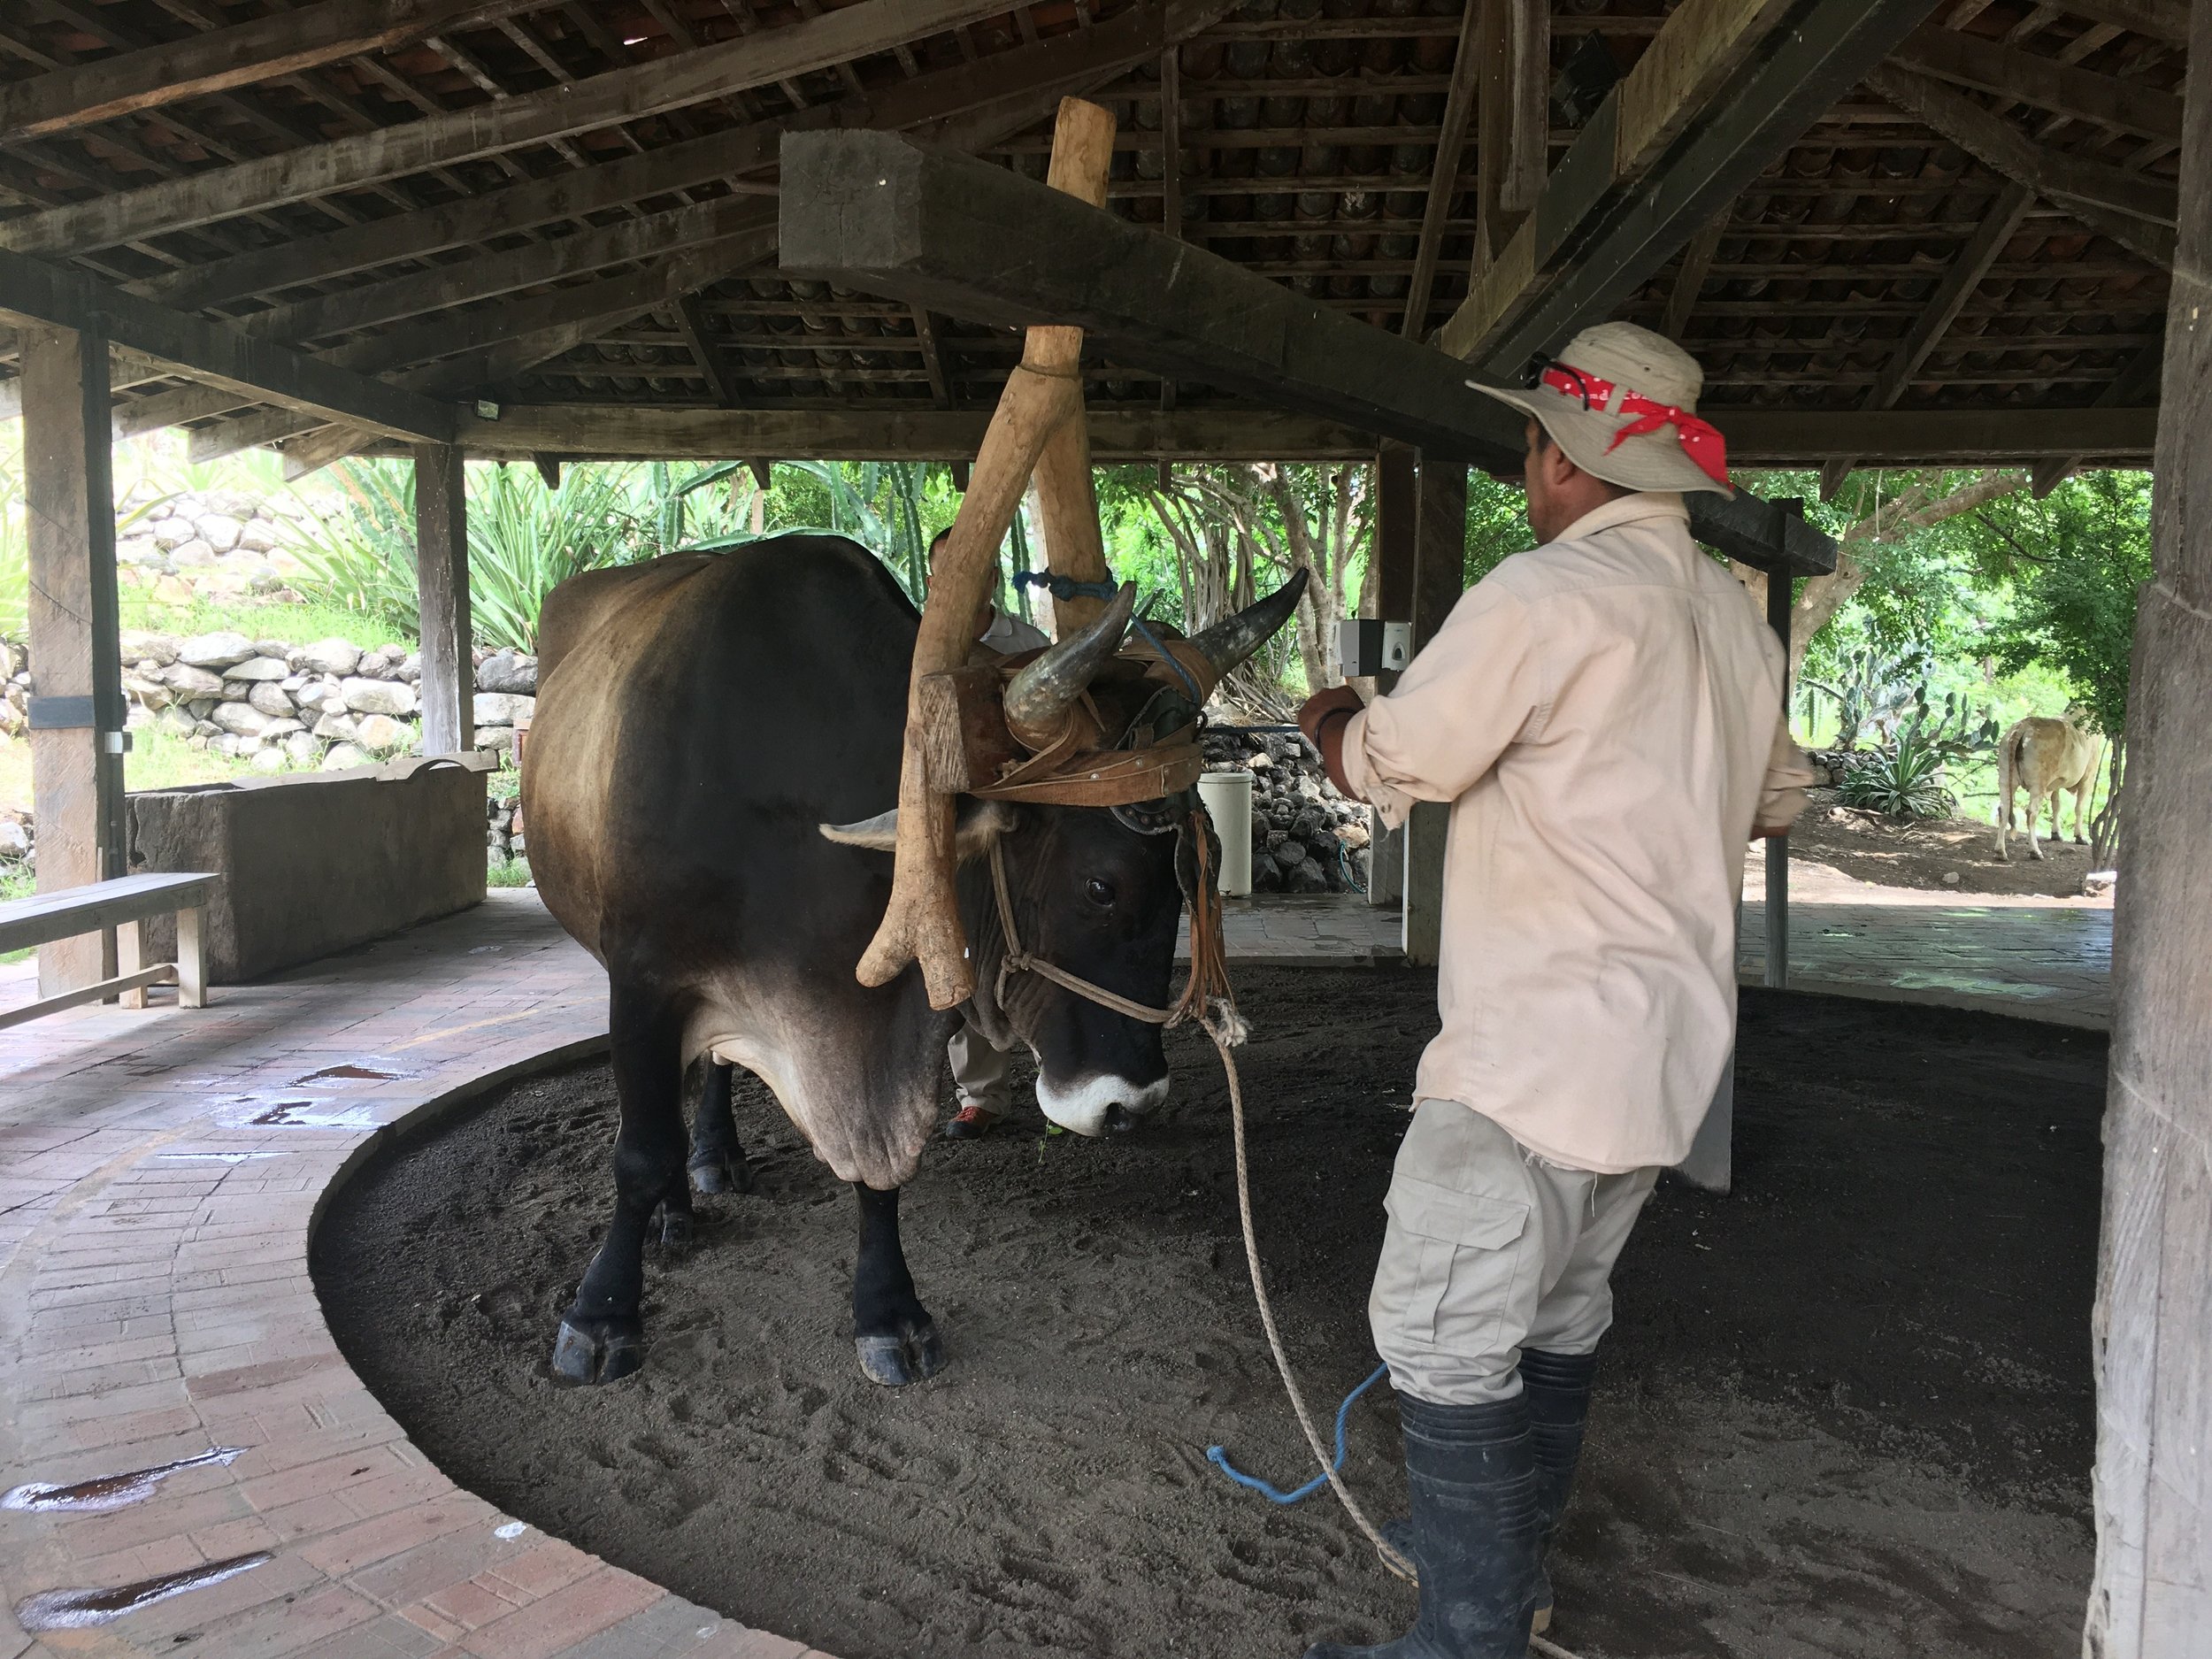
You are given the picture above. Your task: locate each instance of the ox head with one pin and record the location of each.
(1096, 892)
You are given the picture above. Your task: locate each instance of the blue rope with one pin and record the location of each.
(1065, 586)
(1218, 1456)
(1161, 651)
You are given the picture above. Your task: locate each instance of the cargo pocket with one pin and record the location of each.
(1457, 1266)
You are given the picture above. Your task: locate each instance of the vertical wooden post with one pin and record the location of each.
(77, 686)
(1397, 497)
(1439, 575)
(441, 580)
(1780, 591)
(1513, 119)
(2152, 1330)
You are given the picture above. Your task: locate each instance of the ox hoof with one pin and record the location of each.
(598, 1350)
(732, 1174)
(675, 1228)
(908, 1356)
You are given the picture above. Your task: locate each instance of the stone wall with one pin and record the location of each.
(1306, 837)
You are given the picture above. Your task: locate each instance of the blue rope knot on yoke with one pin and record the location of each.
(1218, 1456)
(1065, 588)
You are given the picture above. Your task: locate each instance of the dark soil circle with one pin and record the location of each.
(1846, 1411)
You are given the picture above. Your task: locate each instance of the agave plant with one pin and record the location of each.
(1907, 778)
(361, 556)
(525, 540)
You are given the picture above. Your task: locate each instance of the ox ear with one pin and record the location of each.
(980, 823)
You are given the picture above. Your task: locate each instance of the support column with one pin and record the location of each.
(2152, 1329)
(1781, 591)
(441, 581)
(1440, 576)
(76, 687)
(1397, 499)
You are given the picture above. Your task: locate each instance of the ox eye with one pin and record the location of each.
(1099, 893)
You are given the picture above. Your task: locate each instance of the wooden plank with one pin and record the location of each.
(121, 984)
(69, 501)
(48, 916)
(442, 587)
(1689, 278)
(1930, 437)
(2025, 77)
(2132, 208)
(2151, 1329)
(932, 364)
(1043, 69)
(1514, 62)
(698, 338)
(628, 94)
(1725, 87)
(876, 212)
(2165, 20)
(39, 292)
(220, 59)
(1451, 146)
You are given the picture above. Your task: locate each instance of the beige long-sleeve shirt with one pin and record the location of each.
(1604, 715)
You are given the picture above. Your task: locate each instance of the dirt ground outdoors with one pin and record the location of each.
(1870, 849)
(1846, 1411)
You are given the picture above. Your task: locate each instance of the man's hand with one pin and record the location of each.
(1323, 717)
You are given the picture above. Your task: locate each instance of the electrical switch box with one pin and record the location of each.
(1365, 646)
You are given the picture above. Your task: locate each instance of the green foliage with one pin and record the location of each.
(2075, 562)
(1907, 778)
(15, 551)
(1872, 688)
(256, 618)
(508, 872)
(526, 539)
(1497, 524)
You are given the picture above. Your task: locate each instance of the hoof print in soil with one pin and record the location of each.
(908, 1356)
(598, 1351)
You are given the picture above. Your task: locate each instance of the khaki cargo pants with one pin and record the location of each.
(1491, 1249)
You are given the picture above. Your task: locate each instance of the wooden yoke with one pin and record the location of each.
(1044, 395)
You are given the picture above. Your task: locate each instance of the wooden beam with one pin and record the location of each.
(933, 364)
(2047, 83)
(876, 212)
(263, 50)
(1451, 145)
(33, 289)
(2136, 384)
(69, 498)
(1736, 82)
(1514, 61)
(1044, 69)
(2166, 21)
(1689, 277)
(1914, 437)
(1171, 141)
(442, 587)
(2132, 208)
(628, 94)
(2151, 1326)
(698, 338)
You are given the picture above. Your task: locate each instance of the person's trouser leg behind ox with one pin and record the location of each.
(980, 1074)
(1489, 1300)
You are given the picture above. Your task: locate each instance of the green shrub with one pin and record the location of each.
(1906, 779)
(509, 872)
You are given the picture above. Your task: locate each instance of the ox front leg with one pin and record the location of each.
(601, 1336)
(717, 1163)
(896, 1338)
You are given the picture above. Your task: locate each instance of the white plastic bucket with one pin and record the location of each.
(1228, 800)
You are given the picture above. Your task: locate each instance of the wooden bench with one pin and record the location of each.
(122, 906)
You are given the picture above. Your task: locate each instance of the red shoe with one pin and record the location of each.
(970, 1123)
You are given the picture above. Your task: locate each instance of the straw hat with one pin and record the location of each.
(1622, 402)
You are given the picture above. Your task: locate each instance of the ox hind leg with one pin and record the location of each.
(601, 1336)
(718, 1162)
(2035, 820)
(895, 1337)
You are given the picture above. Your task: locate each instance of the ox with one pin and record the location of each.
(703, 721)
(2048, 758)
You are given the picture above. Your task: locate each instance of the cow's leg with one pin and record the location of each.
(896, 1338)
(717, 1163)
(2035, 824)
(2081, 801)
(601, 1336)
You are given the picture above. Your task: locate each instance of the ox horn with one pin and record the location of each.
(1234, 638)
(1041, 695)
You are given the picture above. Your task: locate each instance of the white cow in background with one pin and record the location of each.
(2046, 758)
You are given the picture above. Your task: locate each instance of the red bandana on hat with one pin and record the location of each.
(1701, 440)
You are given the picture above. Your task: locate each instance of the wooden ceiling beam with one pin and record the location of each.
(1451, 145)
(1913, 437)
(2166, 21)
(1725, 87)
(2132, 208)
(621, 95)
(1046, 70)
(1512, 154)
(2136, 384)
(874, 211)
(1689, 277)
(706, 350)
(2047, 83)
(925, 337)
(32, 290)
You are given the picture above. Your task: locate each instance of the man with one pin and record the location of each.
(1604, 715)
(980, 1071)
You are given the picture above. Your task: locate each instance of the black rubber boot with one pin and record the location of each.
(1471, 1484)
(1557, 1389)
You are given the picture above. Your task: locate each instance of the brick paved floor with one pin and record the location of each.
(158, 1175)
